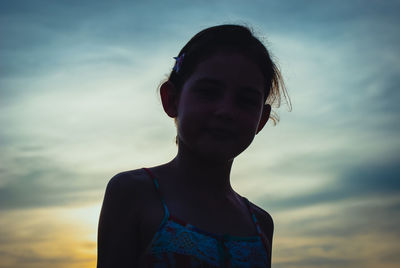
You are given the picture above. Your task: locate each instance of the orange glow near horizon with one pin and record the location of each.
(65, 237)
(55, 237)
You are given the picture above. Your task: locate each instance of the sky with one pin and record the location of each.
(79, 103)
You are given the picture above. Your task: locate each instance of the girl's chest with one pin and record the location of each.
(167, 239)
(214, 220)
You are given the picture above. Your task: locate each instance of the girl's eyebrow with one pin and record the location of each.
(251, 90)
(216, 82)
(207, 80)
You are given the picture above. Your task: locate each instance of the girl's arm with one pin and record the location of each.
(118, 225)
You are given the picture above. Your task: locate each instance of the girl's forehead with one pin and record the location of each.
(225, 57)
(226, 68)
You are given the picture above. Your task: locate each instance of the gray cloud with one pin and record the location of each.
(42, 36)
(29, 258)
(357, 218)
(40, 182)
(364, 180)
(318, 262)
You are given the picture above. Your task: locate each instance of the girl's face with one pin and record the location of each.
(220, 106)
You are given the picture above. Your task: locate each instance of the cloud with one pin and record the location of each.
(366, 180)
(39, 182)
(317, 262)
(341, 231)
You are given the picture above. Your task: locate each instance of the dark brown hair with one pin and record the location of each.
(237, 39)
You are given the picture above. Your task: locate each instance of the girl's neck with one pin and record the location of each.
(205, 175)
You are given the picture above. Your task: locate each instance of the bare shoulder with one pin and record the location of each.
(124, 195)
(120, 218)
(265, 220)
(128, 179)
(128, 189)
(128, 184)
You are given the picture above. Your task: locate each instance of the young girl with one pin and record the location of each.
(185, 213)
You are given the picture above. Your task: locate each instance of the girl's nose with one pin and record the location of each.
(225, 108)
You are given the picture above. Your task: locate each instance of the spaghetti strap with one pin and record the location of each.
(253, 217)
(157, 187)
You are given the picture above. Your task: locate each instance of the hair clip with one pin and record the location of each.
(178, 62)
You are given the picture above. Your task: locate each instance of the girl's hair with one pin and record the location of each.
(235, 39)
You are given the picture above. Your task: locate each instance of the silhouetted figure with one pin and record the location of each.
(185, 213)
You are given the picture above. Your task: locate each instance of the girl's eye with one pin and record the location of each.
(209, 93)
(248, 101)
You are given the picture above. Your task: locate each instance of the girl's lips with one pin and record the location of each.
(220, 132)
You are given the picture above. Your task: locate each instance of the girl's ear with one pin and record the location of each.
(264, 117)
(169, 99)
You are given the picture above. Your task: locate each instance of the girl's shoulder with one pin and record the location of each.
(129, 180)
(129, 188)
(264, 219)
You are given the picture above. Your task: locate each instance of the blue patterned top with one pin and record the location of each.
(178, 244)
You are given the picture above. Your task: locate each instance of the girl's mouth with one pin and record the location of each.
(220, 133)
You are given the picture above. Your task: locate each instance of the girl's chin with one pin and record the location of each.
(216, 153)
(212, 150)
